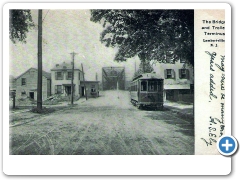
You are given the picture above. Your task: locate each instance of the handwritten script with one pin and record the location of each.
(216, 125)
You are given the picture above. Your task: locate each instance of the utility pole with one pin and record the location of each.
(84, 82)
(39, 86)
(14, 99)
(96, 77)
(72, 87)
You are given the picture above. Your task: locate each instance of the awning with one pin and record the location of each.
(176, 86)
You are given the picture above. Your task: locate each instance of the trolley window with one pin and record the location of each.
(159, 86)
(144, 86)
(152, 86)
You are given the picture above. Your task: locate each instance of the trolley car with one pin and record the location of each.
(146, 90)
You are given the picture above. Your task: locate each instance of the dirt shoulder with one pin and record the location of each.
(24, 116)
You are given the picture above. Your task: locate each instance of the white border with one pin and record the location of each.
(117, 6)
(113, 165)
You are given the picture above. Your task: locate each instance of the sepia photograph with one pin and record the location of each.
(117, 89)
(101, 82)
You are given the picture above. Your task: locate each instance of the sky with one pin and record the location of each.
(65, 31)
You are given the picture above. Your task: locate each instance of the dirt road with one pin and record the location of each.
(108, 125)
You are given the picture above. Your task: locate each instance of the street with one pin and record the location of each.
(107, 125)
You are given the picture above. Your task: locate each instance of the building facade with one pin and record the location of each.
(178, 80)
(26, 84)
(61, 76)
(92, 88)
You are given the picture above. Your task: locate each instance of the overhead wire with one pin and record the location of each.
(45, 16)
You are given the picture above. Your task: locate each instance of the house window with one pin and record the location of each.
(79, 75)
(183, 73)
(59, 76)
(69, 75)
(23, 93)
(58, 89)
(23, 81)
(169, 73)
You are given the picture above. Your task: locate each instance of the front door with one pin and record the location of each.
(83, 91)
(31, 95)
(68, 90)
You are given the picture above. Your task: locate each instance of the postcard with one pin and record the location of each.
(117, 89)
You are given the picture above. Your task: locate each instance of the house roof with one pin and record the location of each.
(64, 66)
(147, 76)
(44, 73)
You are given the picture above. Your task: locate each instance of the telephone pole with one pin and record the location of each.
(39, 85)
(72, 87)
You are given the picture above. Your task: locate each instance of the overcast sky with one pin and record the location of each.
(65, 31)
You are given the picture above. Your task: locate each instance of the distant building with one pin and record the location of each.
(92, 88)
(61, 76)
(178, 80)
(12, 85)
(26, 84)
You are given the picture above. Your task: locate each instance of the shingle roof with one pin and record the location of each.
(63, 66)
(44, 73)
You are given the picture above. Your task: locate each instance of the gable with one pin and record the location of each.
(35, 71)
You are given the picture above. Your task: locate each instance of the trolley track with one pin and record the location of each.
(101, 126)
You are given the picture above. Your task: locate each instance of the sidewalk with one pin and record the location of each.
(67, 103)
(24, 115)
(184, 110)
